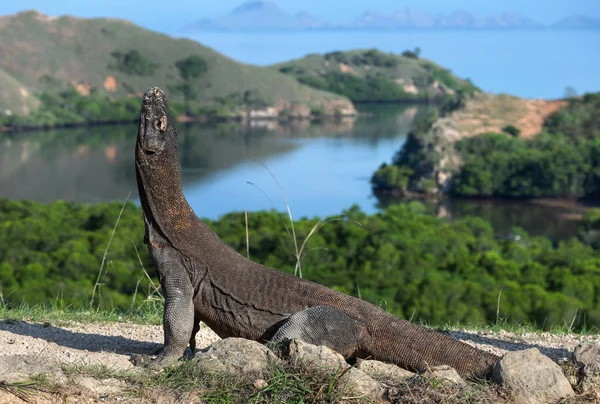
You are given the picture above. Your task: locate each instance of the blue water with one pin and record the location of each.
(527, 63)
(321, 177)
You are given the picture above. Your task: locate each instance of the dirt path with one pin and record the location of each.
(111, 344)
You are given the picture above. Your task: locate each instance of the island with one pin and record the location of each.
(370, 75)
(497, 145)
(61, 71)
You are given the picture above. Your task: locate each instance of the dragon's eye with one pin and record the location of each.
(161, 124)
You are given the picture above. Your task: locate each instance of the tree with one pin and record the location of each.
(570, 92)
(414, 54)
(133, 63)
(190, 68)
(512, 130)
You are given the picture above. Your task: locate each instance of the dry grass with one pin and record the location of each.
(491, 113)
(423, 389)
(285, 383)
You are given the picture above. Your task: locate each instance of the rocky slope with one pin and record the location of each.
(485, 113)
(431, 145)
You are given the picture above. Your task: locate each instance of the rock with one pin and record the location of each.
(267, 113)
(260, 384)
(321, 359)
(21, 368)
(446, 374)
(587, 356)
(532, 377)
(383, 371)
(357, 384)
(327, 363)
(238, 356)
(100, 387)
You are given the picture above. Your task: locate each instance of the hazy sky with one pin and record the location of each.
(154, 14)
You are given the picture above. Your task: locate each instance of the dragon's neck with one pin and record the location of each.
(166, 209)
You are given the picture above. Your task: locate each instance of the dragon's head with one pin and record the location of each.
(157, 133)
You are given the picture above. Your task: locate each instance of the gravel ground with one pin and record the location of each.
(111, 344)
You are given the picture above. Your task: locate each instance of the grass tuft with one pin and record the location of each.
(151, 313)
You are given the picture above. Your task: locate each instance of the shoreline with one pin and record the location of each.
(241, 118)
(188, 120)
(576, 206)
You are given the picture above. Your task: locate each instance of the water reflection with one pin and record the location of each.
(555, 219)
(96, 163)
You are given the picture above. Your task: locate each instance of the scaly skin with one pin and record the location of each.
(203, 279)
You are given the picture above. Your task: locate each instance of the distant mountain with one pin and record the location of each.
(577, 22)
(257, 15)
(265, 15)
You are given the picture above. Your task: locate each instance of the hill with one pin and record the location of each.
(375, 76)
(501, 146)
(13, 93)
(102, 58)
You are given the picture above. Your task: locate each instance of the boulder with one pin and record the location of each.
(587, 356)
(532, 378)
(446, 374)
(237, 356)
(320, 359)
(381, 371)
(357, 384)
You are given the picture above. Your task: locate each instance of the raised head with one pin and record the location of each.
(158, 172)
(157, 134)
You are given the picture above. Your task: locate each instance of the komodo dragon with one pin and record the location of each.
(203, 279)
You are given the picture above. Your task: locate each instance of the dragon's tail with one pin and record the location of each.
(419, 348)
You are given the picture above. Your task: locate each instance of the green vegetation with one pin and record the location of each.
(512, 130)
(562, 161)
(68, 107)
(375, 76)
(133, 63)
(112, 60)
(589, 228)
(360, 89)
(408, 262)
(190, 68)
(547, 166)
(151, 312)
(579, 120)
(412, 54)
